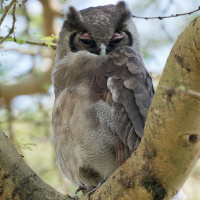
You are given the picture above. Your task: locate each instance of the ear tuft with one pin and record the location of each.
(124, 11)
(121, 4)
(73, 14)
(74, 19)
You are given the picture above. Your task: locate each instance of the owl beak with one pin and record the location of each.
(103, 49)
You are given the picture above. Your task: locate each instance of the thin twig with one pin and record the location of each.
(7, 9)
(185, 90)
(53, 45)
(164, 11)
(13, 25)
(30, 51)
(170, 16)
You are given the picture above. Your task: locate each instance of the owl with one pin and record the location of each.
(102, 93)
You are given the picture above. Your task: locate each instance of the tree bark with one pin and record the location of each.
(17, 180)
(168, 151)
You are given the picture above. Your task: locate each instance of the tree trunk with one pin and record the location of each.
(168, 151)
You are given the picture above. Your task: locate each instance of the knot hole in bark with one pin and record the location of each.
(193, 138)
(189, 139)
(169, 94)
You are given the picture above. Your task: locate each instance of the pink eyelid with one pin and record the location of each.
(116, 36)
(86, 36)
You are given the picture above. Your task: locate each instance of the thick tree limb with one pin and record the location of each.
(170, 147)
(17, 180)
(49, 14)
(35, 84)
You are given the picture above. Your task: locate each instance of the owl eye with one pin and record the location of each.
(87, 39)
(116, 38)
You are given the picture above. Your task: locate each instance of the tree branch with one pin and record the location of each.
(7, 9)
(18, 181)
(170, 16)
(49, 15)
(53, 45)
(179, 89)
(13, 25)
(47, 52)
(34, 84)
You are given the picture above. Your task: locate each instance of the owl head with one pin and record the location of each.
(98, 30)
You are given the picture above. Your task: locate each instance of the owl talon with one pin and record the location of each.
(80, 188)
(75, 197)
(97, 187)
(84, 189)
(88, 189)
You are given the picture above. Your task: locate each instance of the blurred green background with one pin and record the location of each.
(25, 110)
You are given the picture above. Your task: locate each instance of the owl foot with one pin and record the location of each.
(88, 189)
(94, 189)
(84, 189)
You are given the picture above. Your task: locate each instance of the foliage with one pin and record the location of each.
(18, 40)
(47, 39)
(25, 146)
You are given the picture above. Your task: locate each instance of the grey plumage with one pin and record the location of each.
(101, 101)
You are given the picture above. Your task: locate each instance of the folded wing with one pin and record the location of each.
(124, 83)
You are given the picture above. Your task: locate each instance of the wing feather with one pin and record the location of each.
(123, 82)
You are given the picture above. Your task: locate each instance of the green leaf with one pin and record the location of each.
(47, 39)
(181, 87)
(20, 41)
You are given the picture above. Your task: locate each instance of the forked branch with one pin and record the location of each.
(13, 25)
